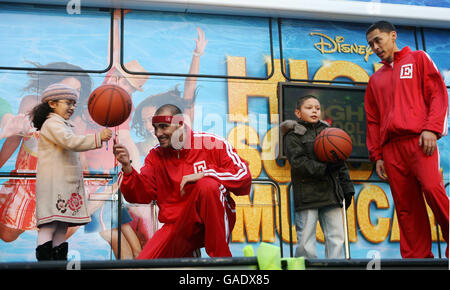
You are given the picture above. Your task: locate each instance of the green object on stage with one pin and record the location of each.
(248, 252)
(268, 257)
(296, 263)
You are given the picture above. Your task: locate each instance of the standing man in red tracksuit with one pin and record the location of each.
(406, 107)
(190, 175)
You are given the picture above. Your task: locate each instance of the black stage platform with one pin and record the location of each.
(238, 263)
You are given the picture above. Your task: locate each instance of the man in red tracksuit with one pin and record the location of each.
(406, 105)
(190, 175)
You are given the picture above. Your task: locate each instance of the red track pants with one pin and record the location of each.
(413, 175)
(206, 221)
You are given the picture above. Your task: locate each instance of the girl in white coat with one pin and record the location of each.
(60, 195)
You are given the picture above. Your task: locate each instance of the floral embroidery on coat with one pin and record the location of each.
(61, 204)
(74, 203)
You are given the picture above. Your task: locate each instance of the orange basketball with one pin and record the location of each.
(109, 105)
(333, 145)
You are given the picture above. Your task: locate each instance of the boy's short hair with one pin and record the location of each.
(301, 100)
(383, 26)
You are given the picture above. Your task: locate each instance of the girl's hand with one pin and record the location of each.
(105, 134)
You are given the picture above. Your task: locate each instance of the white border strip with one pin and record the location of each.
(333, 10)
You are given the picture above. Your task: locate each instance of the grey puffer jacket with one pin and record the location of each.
(315, 183)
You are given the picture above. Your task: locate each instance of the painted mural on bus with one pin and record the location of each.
(225, 73)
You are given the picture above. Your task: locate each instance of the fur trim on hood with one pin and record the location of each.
(298, 128)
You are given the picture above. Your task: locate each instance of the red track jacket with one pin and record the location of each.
(405, 98)
(164, 168)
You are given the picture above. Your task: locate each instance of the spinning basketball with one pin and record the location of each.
(109, 105)
(332, 145)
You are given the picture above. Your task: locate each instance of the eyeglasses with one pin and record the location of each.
(69, 104)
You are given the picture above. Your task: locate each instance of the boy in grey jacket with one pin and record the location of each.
(319, 187)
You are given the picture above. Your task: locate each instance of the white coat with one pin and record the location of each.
(60, 194)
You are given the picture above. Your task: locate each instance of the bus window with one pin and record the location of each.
(38, 34)
(150, 37)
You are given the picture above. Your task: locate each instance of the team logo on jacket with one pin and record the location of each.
(406, 71)
(199, 166)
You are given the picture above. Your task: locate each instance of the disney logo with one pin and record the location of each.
(330, 45)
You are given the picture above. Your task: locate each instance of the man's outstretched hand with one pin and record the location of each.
(122, 155)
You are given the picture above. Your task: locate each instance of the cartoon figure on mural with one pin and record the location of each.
(144, 112)
(17, 205)
(146, 109)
